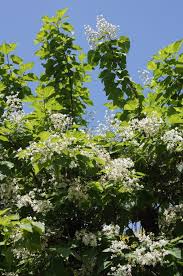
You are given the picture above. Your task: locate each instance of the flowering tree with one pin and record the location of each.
(101, 202)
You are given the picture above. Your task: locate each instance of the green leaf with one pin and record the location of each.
(45, 92)
(63, 250)
(2, 86)
(67, 27)
(38, 227)
(81, 57)
(174, 47)
(2, 212)
(61, 13)
(30, 77)
(30, 99)
(93, 57)
(9, 164)
(37, 168)
(44, 135)
(124, 43)
(97, 186)
(26, 227)
(151, 65)
(3, 138)
(131, 104)
(7, 48)
(16, 59)
(176, 252)
(25, 67)
(175, 119)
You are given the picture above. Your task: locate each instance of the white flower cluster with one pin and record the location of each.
(87, 238)
(127, 133)
(117, 247)
(120, 170)
(44, 151)
(14, 110)
(60, 121)
(109, 124)
(149, 252)
(76, 192)
(145, 76)
(105, 31)
(173, 138)
(94, 150)
(9, 274)
(23, 254)
(172, 214)
(38, 205)
(111, 230)
(180, 166)
(121, 270)
(149, 126)
(13, 102)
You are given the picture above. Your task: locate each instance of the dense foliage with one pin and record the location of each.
(78, 201)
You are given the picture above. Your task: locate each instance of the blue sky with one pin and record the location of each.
(150, 25)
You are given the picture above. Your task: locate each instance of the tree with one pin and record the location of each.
(107, 202)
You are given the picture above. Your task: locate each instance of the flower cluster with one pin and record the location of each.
(110, 230)
(173, 138)
(60, 121)
(87, 238)
(117, 247)
(13, 102)
(109, 124)
(77, 192)
(14, 109)
(105, 31)
(37, 205)
(43, 151)
(149, 252)
(149, 125)
(120, 170)
(93, 150)
(145, 76)
(121, 270)
(172, 214)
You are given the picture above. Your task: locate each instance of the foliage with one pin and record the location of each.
(102, 202)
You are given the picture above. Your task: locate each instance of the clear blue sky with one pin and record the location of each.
(150, 24)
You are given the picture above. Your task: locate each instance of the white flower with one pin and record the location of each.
(111, 230)
(117, 247)
(38, 205)
(14, 109)
(149, 125)
(145, 76)
(173, 138)
(87, 238)
(60, 121)
(44, 151)
(120, 170)
(109, 124)
(150, 252)
(77, 192)
(172, 214)
(24, 200)
(105, 31)
(121, 270)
